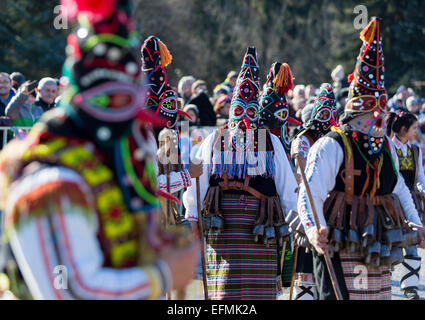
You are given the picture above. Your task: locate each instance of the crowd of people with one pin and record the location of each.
(287, 183)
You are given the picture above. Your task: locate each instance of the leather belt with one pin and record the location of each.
(236, 185)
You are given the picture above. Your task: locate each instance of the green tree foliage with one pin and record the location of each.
(28, 41)
(209, 37)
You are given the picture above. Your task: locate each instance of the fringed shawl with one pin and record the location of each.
(241, 154)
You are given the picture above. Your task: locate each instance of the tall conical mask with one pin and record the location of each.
(244, 105)
(367, 89)
(274, 109)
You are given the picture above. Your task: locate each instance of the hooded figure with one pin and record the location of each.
(317, 121)
(245, 170)
(80, 190)
(364, 208)
(274, 109)
(161, 100)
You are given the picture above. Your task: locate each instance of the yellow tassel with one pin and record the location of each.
(284, 79)
(344, 140)
(166, 56)
(368, 33)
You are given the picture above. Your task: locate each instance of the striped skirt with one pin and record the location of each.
(237, 267)
(365, 283)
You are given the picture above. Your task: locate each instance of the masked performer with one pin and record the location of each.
(81, 189)
(274, 116)
(364, 207)
(322, 117)
(162, 101)
(246, 186)
(274, 109)
(404, 126)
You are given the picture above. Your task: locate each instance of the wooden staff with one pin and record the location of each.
(291, 290)
(316, 222)
(294, 267)
(167, 215)
(201, 238)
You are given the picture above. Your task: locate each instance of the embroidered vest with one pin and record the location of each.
(408, 165)
(123, 234)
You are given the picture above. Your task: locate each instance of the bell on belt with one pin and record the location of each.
(352, 240)
(336, 240)
(385, 255)
(282, 232)
(396, 256)
(269, 235)
(292, 215)
(393, 238)
(258, 232)
(217, 223)
(368, 235)
(411, 239)
(373, 252)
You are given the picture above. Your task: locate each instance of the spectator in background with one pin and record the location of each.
(221, 109)
(47, 92)
(412, 105)
(185, 88)
(298, 92)
(200, 98)
(193, 112)
(6, 92)
(310, 91)
(63, 84)
(228, 85)
(17, 80)
(394, 103)
(299, 105)
(22, 110)
(410, 93)
(339, 79)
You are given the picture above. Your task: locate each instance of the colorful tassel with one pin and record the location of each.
(166, 56)
(368, 33)
(284, 79)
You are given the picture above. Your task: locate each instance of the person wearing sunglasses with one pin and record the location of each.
(365, 210)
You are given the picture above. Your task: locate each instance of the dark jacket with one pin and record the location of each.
(45, 106)
(5, 102)
(207, 116)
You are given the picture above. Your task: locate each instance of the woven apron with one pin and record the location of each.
(237, 267)
(363, 282)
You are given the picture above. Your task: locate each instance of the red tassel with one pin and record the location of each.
(168, 196)
(284, 79)
(350, 77)
(182, 113)
(146, 116)
(293, 121)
